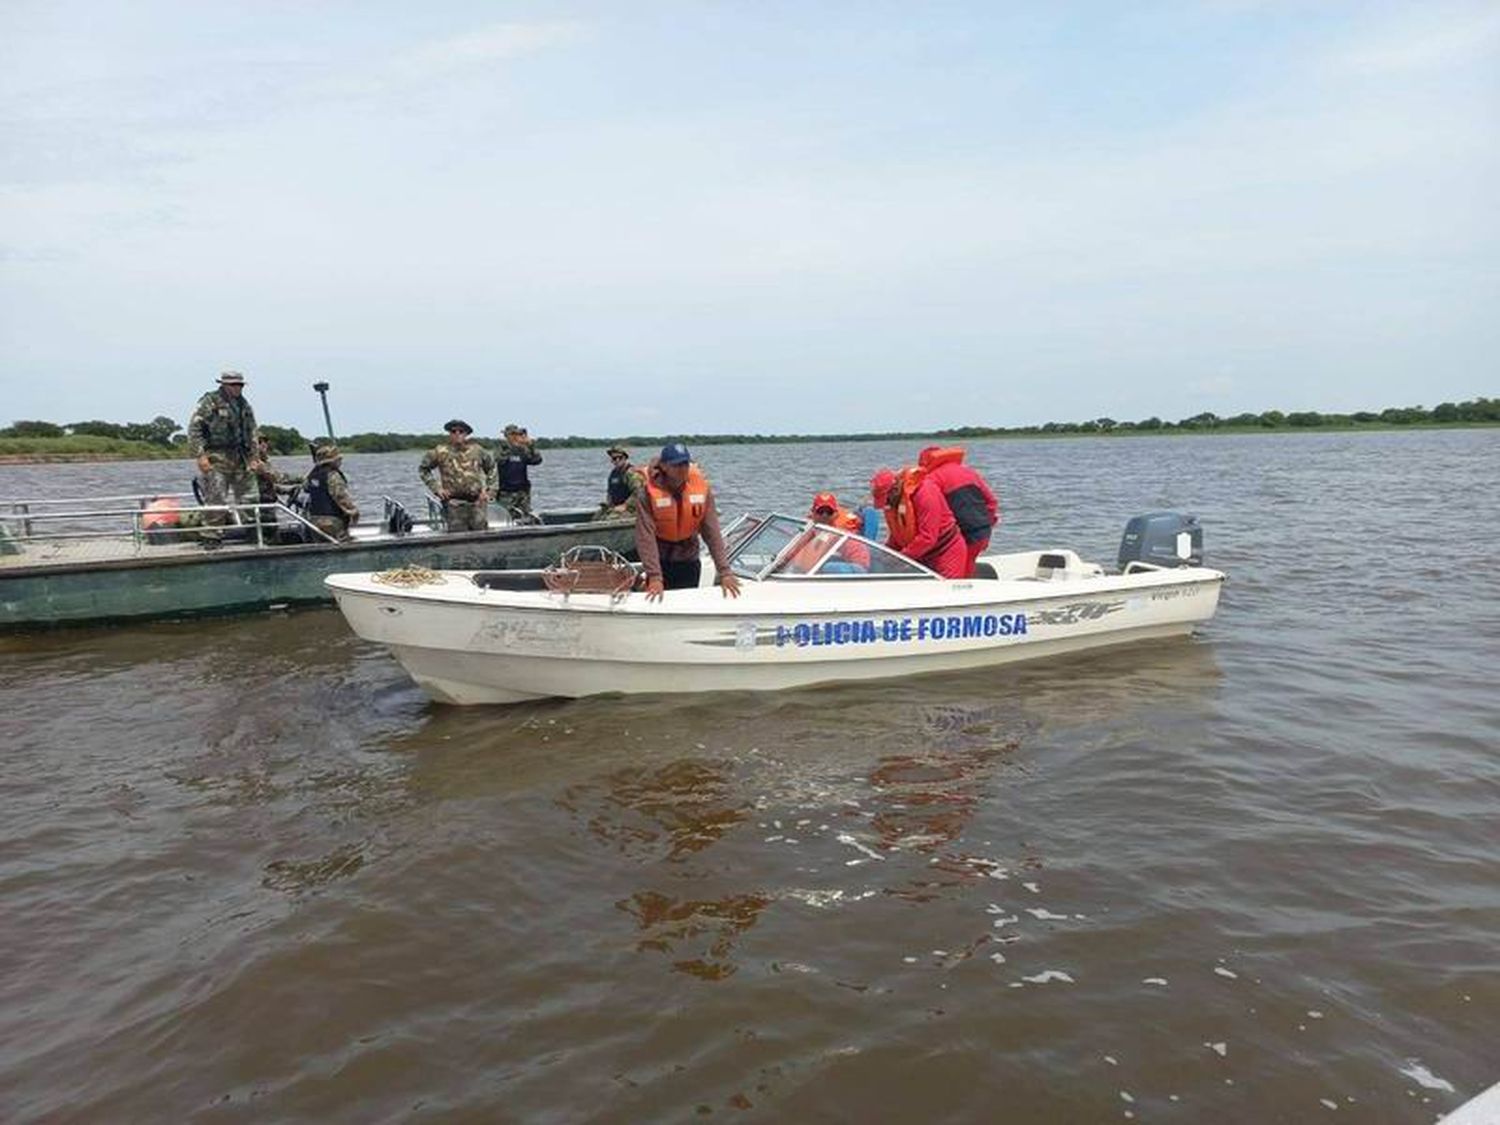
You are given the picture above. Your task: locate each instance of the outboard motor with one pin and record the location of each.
(395, 518)
(1162, 539)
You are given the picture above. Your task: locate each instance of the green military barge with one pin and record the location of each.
(117, 559)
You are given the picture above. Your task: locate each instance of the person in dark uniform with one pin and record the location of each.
(625, 486)
(517, 452)
(330, 504)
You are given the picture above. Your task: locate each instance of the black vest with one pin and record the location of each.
(969, 509)
(619, 486)
(513, 475)
(319, 502)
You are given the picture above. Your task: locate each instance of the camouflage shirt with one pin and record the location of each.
(463, 471)
(223, 425)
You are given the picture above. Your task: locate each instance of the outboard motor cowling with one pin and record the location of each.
(1162, 539)
(395, 518)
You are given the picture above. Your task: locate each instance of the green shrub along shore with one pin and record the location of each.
(33, 441)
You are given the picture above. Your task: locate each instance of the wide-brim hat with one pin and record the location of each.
(620, 449)
(327, 451)
(231, 378)
(457, 424)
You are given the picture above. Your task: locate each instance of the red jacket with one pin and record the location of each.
(973, 504)
(938, 544)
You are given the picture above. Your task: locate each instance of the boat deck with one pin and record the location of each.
(105, 548)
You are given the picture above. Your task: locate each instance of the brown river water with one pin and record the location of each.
(249, 873)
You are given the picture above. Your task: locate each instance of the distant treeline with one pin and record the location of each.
(163, 435)
(1478, 411)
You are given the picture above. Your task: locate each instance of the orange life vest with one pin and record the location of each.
(678, 516)
(853, 550)
(935, 455)
(161, 512)
(805, 557)
(900, 513)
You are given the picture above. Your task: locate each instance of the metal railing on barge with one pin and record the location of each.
(108, 526)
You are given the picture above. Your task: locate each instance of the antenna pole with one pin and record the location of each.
(322, 389)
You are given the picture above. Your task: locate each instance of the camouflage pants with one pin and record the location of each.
(226, 479)
(518, 504)
(466, 515)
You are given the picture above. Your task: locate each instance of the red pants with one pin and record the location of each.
(977, 548)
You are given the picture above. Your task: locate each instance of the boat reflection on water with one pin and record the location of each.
(668, 814)
(831, 797)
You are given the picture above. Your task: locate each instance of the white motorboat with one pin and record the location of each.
(817, 605)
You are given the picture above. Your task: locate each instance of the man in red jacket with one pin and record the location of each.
(921, 524)
(974, 505)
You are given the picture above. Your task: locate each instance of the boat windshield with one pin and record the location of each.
(783, 547)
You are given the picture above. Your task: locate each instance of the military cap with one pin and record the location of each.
(232, 377)
(512, 428)
(458, 424)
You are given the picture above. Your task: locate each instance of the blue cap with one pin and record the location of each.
(675, 453)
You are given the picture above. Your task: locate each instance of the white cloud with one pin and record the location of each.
(1439, 39)
(497, 43)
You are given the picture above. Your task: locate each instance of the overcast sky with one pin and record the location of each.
(606, 218)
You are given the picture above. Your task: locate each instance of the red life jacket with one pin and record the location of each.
(852, 550)
(900, 515)
(935, 455)
(805, 557)
(901, 518)
(678, 516)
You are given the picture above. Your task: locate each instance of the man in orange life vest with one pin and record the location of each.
(826, 511)
(974, 505)
(679, 507)
(920, 522)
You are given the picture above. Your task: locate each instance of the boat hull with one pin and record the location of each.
(239, 579)
(496, 647)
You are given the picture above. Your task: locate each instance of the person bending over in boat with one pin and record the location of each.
(920, 522)
(679, 509)
(462, 475)
(973, 504)
(625, 487)
(272, 484)
(330, 504)
(854, 557)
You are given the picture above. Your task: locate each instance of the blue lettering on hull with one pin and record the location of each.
(894, 630)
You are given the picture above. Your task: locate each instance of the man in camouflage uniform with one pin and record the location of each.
(330, 505)
(517, 450)
(462, 475)
(223, 437)
(272, 483)
(625, 487)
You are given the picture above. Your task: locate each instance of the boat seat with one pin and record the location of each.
(984, 570)
(510, 580)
